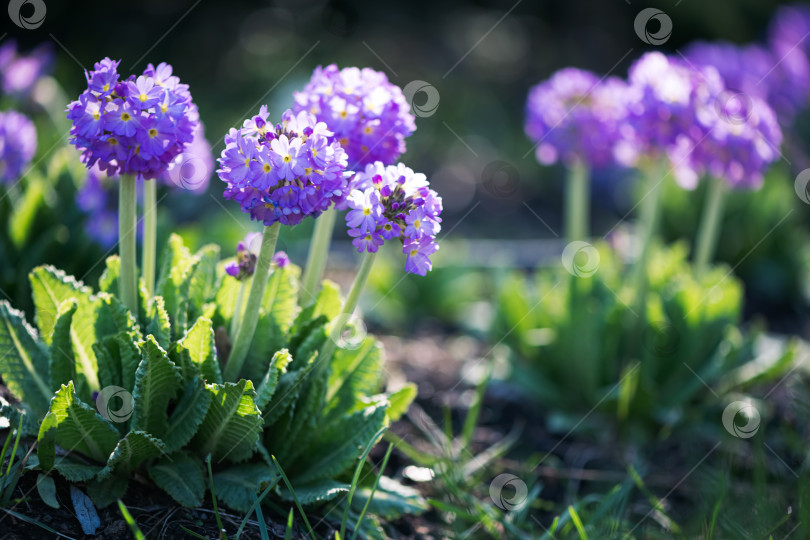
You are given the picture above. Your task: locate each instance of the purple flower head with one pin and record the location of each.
(394, 202)
(18, 142)
(19, 73)
(284, 172)
(191, 170)
(576, 116)
(133, 126)
(790, 45)
(755, 71)
(280, 259)
(247, 253)
(685, 112)
(368, 115)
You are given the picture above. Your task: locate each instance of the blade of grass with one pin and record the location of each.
(373, 491)
(262, 524)
(136, 532)
(475, 409)
(356, 479)
(256, 504)
(222, 534)
(288, 533)
(577, 523)
(294, 496)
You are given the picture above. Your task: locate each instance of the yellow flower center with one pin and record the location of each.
(414, 252)
(143, 97)
(96, 115)
(343, 141)
(366, 211)
(267, 168)
(287, 158)
(153, 132)
(368, 130)
(417, 224)
(364, 148)
(163, 107)
(247, 162)
(343, 114)
(314, 152)
(113, 141)
(125, 116)
(106, 87)
(308, 171)
(269, 206)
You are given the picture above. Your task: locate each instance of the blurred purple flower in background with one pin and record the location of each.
(18, 142)
(20, 72)
(101, 210)
(393, 202)
(368, 115)
(756, 71)
(576, 116)
(284, 172)
(789, 41)
(191, 170)
(247, 253)
(133, 126)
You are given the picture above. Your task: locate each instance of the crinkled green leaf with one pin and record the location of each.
(187, 415)
(232, 425)
(301, 426)
(74, 470)
(400, 400)
(327, 303)
(108, 282)
(61, 358)
(174, 283)
(23, 360)
(354, 374)
(181, 476)
(157, 382)
(50, 287)
(135, 448)
(203, 279)
(199, 341)
(239, 485)
(269, 382)
(118, 359)
(159, 325)
(340, 443)
(79, 428)
(314, 492)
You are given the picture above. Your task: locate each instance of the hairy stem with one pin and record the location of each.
(149, 235)
(318, 253)
(127, 223)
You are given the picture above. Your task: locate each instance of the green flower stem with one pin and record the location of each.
(349, 306)
(318, 253)
(149, 235)
(577, 202)
(247, 326)
(709, 229)
(237, 309)
(648, 226)
(127, 204)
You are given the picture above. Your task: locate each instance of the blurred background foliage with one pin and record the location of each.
(482, 57)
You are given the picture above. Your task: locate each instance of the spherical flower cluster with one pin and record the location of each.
(191, 170)
(132, 126)
(393, 202)
(755, 71)
(18, 142)
(788, 40)
(686, 113)
(369, 116)
(247, 253)
(19, 73)
(285, 172)
(575, 116)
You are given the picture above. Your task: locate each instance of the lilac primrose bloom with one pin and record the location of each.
(789, 40)
(368, 115)
(757, 72)
(19, 73)
(94, 200)
(192, 169)
(247, 253)
(133, 126)
(18, 142)
(576, 116)
(394, 202)
(685, 113)
(284, 172)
